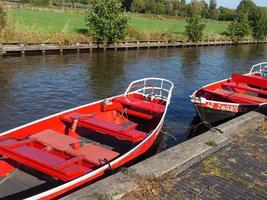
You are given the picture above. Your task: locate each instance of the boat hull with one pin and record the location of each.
(218, 112)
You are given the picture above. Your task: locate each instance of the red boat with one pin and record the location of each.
(60, 153)
(228, 98)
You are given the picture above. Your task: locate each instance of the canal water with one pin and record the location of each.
(36, 86)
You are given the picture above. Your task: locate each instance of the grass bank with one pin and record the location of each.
(48, 23)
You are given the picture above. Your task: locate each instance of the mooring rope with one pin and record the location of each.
(168, 134)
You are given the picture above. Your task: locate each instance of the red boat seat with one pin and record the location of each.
(52, 153)
(43, 161)
(257, 81)
(91, 152)
(141, 104)
(246, 88)
(237, 97)
(109, 122)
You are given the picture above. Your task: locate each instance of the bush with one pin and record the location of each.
(239, 28)
(259, 25)
(213, 9)
(3, 18)
(194, 29)
(106, 22)
(227, 14)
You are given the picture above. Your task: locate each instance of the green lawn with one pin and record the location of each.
(50, 21)
(171, 24)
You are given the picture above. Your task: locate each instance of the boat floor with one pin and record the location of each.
(21, 184)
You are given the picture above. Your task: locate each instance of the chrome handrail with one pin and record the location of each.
(147, 85)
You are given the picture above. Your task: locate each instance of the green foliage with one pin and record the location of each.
(246, 6)
(3, 18)
(106, 22)
(213, 10)
(259, 25)
(226, 14)
(198, 8)
(239, 28)
(194, 29)
(158, 8)
(43, 3)
(138, 6)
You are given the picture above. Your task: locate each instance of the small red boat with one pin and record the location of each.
(228, 98)
(60, 153)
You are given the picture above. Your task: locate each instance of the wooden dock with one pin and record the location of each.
(16, 49)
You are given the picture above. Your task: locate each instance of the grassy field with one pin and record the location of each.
(174, 25)
(50, 21)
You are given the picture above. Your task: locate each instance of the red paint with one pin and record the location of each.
(6, 168)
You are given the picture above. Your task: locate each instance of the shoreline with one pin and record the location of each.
(20, 49)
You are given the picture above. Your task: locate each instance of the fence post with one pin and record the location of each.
(1, 49)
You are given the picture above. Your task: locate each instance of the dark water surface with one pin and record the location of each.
(37, 86)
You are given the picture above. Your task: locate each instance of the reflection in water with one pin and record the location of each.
(104, 71)
(190, 60)
(34, 87)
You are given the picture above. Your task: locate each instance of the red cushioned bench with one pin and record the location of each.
(141, 104)
(52, 153)
(246, 88)
(257, 81)
(237, 97)
(109, 122)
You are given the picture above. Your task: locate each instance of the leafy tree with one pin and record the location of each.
(194, 28)
(158, 8)
(246, 6)
(226, 14)
(239, 28)
(204, 9)
(138, 6)
(106, 21)
(213, 9)
(259, 25)
(41, 2)
(3, 18)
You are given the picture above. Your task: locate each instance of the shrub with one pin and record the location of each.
(259, 25)
(3, 18)
(194, 29)
(106, 21)
(239, 28)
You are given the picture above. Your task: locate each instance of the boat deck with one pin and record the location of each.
(19, 184)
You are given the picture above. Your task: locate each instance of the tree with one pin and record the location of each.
(226, 14)
(246, 6)
(106, 22)
(259, 25)
(239, 28)
(3, 18)
(213, 9)
(158, 8)
(138, 6)
(194, 28)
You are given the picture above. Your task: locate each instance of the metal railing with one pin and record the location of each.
(258, 67)
(155, 87)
